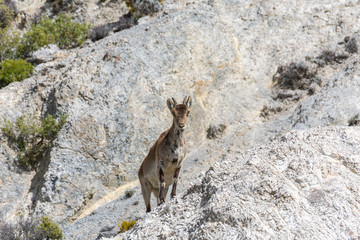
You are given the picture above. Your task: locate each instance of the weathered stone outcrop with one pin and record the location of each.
(302, 185)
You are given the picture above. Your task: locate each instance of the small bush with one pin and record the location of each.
(330, 57)
(14, 71)
(215, 131)
(62, 31)
(6, 15)
(295, 76)
(24, 229)
(126, 225)
(9, 44)
(129, 193)
(354, 121)
(266, 112)
(50, 229)
(32, 137)
(12, 5)
(30, 229)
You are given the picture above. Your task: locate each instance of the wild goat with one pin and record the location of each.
(162, 165)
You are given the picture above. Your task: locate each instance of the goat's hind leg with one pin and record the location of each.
(146, 192)
(155, 191)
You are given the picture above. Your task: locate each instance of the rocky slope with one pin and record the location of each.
(300, 186)
(223, 53)
(93, 12)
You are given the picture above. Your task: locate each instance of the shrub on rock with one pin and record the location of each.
(14, 71)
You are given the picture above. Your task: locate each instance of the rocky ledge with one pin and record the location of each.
(301, 185)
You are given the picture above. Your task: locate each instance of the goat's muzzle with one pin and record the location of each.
(181, 127)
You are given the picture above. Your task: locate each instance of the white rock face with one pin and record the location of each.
(302, 185)
(222, 53)
(45, 54)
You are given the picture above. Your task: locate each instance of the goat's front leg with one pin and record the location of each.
(176, 176)
(162, 186)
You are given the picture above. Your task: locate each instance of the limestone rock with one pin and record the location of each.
(45, 54)
(301, 185)
(222, 53)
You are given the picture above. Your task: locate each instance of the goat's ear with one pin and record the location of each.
(187, 101)
(170, 103)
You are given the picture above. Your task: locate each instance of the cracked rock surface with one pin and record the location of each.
(301, 185)
(234, 58)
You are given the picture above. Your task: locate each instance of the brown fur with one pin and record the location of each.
(162, 165)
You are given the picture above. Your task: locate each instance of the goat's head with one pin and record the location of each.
(180, 112)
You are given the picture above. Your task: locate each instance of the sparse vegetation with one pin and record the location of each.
(14, 71)
(215, 131)
(50, 229)
(300, 76)
(268, 111)
(129, 193)
(32, 137)
(6, 15)
(12, 5)
(295, 76)
(24, 229)
(126, 225)
(354, 121)
(330, 57)
(30, 229)
(140, 9)
(63, 31)
(11, 67)
(9, 44)
(130, 5)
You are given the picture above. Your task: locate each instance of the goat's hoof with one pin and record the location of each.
(161, 202)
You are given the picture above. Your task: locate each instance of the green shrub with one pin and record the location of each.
(62, 31)
(32, 137)
(70, 33)
(14, 70)
(6, 15)
(126, 225)
(9, 44)
(50, 229)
